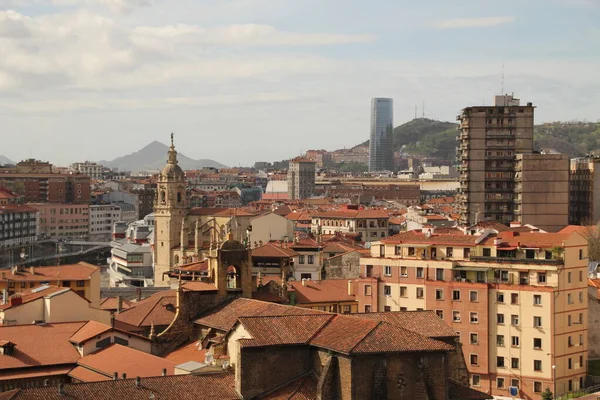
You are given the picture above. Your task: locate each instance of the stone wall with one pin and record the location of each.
(342, 267)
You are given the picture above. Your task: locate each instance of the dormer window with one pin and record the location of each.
(6, 347)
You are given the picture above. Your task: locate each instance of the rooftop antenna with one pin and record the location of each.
(502, 78)
(415, 111)
(423, 109)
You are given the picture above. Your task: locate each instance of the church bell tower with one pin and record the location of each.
(170, 208)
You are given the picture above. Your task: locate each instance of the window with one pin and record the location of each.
(570, 341)
(475, 380)
(537, 299)
(440, 313)
(500, 383)
(411, 251)
(514, 363)
(474, 338)
(404, 272)
(23, 285)
(367, 308)
(500, 318)
(569, 320)
(570, 363)
(301, 261)
(387, 290)
(541, 277)
(474, 359)
(419, 272)
(514, 298)
(369, 270)
(103, 343)
(537, 386)
(397, 249)
(419, 293)
(474, 317)
(569, 298)
(456, 295)
(66, 283)
(473, 296)
(311, 259)
(403, 291)
(456, 316)
(514, 341)
(439, 274)
(581, 297)
(487, 252)
(580, 361)
(581, 340)
(367, 290)
(346, 310)
(514, 320)
(121, 341)
(500, 340)
(537, 322)
(500, 362)
(449, 252)
(439, 294)
(306, 276)
(581, 254)
(580, 276)
(580, 318)
(387, 270)
(537, 343)
(387, 308)
(569, 277)
(500, 297)
(529, 253)
(514, 382)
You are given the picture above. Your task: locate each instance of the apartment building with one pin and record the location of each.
(301, 178)
(18, 225)
(102, 219)
(63, 220)
(371, 224)
(584, 191)
(518, 300)
(91, 169)
(489, 140)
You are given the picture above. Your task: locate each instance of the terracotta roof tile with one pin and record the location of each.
(151, 309)
(269, 297)
(328, 290)
(224, 317)
(188, 352)
(274, 251)
(438, 237)
(33, 343)
(282, 330)
(88, 331)
(84, 374)
(35, 294)
(514, 238)
(303, 388)
(425, 323)
(343, 333)
(76, 272)
(460, 392)
(219, 386)
(197, 286)
(111, 303)
(36, 372)
(123, 359)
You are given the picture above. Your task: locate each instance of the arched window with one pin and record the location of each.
(163, 197)
(179, 197)
(176, 259)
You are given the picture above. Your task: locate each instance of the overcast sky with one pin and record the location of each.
(245, 80)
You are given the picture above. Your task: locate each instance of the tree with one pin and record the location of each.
(592, 235)
(547, 394)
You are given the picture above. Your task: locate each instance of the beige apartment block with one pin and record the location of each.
(518, 300)
(584, 191)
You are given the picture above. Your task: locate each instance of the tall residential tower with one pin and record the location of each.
(381, 151)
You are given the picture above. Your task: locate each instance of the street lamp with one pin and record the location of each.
(554, 380)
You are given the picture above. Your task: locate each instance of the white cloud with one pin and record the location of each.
(472, 22)
(248, 35)
(115, 6)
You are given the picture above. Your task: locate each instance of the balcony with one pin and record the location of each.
(507, 260)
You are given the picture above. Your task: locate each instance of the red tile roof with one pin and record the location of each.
(123, 359)
(16, 208)
(528, 239)
(425, 323)
(111, 303)
(76, 272)
(188, 352)
(282, 330)
(42, 372)
(29, 295)
(223, 318)
(325, 291)
(303, 388)
(84, 374)
(197, 286)
(460, 392)
(274, 251)
(220, 386)
(152, 309)
(40, 345)
(269, 297)
(88, 331)
(438, 238)
(275, 196)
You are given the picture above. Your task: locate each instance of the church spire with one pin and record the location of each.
(172, 151)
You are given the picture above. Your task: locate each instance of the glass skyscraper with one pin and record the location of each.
(381, 151)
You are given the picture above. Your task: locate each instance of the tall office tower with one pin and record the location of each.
(489, 140)
(381, 151)
(584, 191)
(301, 178)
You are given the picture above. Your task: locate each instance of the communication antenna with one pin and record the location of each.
(502, 91)
(415, 111)
(423, 109)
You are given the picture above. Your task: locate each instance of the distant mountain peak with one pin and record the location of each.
(153, 157)
(5, 160)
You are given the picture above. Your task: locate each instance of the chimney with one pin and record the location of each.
(138, 294)
(350, 288)
(515, 224)
(16, 300)
(46, 382)
(497, 241)
(32, 270)
(164, 372)
(115, 376)
(112, 320)
(303, 281)
(138, 381)
(61, 389)
(124, 375)
(119, 304)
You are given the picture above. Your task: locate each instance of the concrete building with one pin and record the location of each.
(63, 220)
(517, 299)
(131, 261)
(541, 191)
(128, 202)
(381, 144)
(102, 219)
(489, 140)
(18, 225)
(372, 225)
(91, 169)
(301, 178)
(584, 191)
(271, 226)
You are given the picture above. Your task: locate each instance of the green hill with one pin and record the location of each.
(430, 138)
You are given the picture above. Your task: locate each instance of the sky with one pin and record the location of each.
(240, 81)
